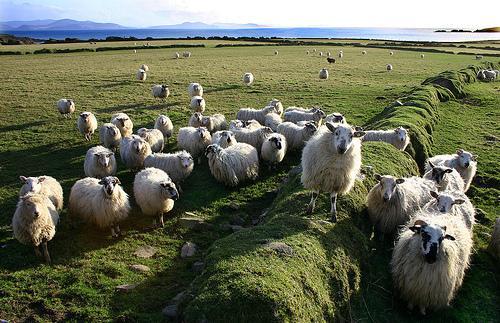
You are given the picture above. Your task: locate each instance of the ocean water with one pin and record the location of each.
(350, 33)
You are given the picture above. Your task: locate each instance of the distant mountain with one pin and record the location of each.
(62, 24)
(202, 25)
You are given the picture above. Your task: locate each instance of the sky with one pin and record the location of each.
(279, 13)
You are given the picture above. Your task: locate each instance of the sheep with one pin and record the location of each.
(144, 67)
(272, 121)
(178, 165)
(323, 74)
(335, 117)
(330, 60)
(252, 124)
(480, 75)
(160, 91)
(164, 124)
(123, 123)
(341, 54)
(155, 193)
(34, 222)
(397, 137)
(259, 115)
(195, 89)
(363, 52)
(234, 164)
(314, 50)
(392, 201)
(253, 137)
(317, 115)
(389, 67)
(110, 136)
(452, 202)
(422, 56)
(214, 122)
(429, 260)
(236, 124)
(195, 120)
(101, 202)
(489, 75)
(331, 161)
(320, 54)
(141, 74)
(194, 140)
(87, 124)
(494, 246)
(391, 53)
(328, 54)
(248, 79)
(224, 138)
(66, 107)
(44, 185)
(277, 105)
(176, 55)
(463, 161)
(99, 162)
(198, 104)
(133, 151)
(296, 136)
(153, 137)
(307, 52)
(186, 54)
(135, 51)
(445, 178)
(479, 57)
(274, 149)
(300, 109)
(276, 52)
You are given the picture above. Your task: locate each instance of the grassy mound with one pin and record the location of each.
(293, 268)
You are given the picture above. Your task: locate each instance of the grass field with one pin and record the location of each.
(88, 264)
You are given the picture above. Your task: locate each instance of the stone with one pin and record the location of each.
(281, 248)
(139, 268)
(188, 250)
(145, 252)
(125, 288)
(198, 266)
(190, 222)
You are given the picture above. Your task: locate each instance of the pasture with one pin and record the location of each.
(88, 264)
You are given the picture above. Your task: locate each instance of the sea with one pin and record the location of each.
(402, 34)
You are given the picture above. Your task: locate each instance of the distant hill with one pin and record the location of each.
(489, 30)
(62, 24)
(202, 25)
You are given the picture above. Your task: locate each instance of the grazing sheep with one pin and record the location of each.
(253, 137)
(123, 123)
(297, 136)
(389, 67)
(494, 246)
(198, 104)
(194, 140)
(164, 124)
(429, 260)
(335, 117)
(160, 91)
(178, 165)
(259, 115)
(323, 74)
(392, 201)
(34, 222)
(317, 115)
(135, 51)
(214, 122)
(234, 164)
(363, 52)
(275, 52)
(479, 57)
(153, 137)
(274, 149)
(422, 55)
(102, 203)
(277, 105)
(186, 54)
(330, 60)
(463, 161)
(331, 161)
(110, 136)
(155, 193)
(66, 107)
(272, 121)
(341, 54)
(223, 138)
(195, 89)
(248, 79)
(141, 75)
(87, 124)
(446, 178)
(398, 137)
(44, 185)
(455, 203)
(176, 55)
(133, 151)
(391, 53)
(144, 67)
(195, 120)
(99, 162)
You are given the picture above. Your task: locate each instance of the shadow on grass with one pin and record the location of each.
(113, 84)
(224, 88)
(22, 126)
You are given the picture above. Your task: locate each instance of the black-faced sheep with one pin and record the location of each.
(274, 149)
(463, 161)
(198, 104)
(446, 178)
(323, 74)
(248, 79)
(160, 91)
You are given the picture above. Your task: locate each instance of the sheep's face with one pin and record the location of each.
(319, 114)
(186, 160)
(198, 117)
(198, 101)
(432, 236)
(236, 124)
(69, 103)
(103, 159)
(343, 136)
(276, 142)
(337, 118)
(388, 185)
(164, 87)
(465, 158)
(310, 128)
(162, 120)
(34, 184)
(169, 190)
(142, 132)
(401, 133)
(228, 137)
(213, 150)
(85, 116)
(444, 202)
(109, 184)
(203, 133)
(439, 172)
(138, 145)
(33, 206)
(122, 121)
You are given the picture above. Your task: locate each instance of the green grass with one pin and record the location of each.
(88, 264)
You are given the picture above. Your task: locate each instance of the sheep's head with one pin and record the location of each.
(164, 87)
(438, 173)
(185, 159)
(169, 190)
(34, 184)
(103, 158)
(319, 114)
(337, 117)
(163, 119)
(34, 205)
(109, 184)
(213, 150)
(122, 121)
(401, 133)
(276, 142)
(85, 116)
(432, 236)
(139, 144)
(113, 131)
(142, 132)
(343, 135)
(248, 123)
(227, 136)
(266, 131)
(310, 128)
(69, 103)
(236, 124)
(445, 201)
(465, 158)
(198, 101)
(388, 185)
(203, 133)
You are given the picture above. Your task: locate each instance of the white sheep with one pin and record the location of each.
(34, 222)
(195, 120)
(224, 138)
(236, 124)
(87, 124)
(391, 53)
(110, 136)
(392, 201)
(164, 124)
(198, 104)
(429, 260)
(141, 74)
(133, 151)
(253, 137)
(194, 140)
(186, 54)
(328, 54)
(494, 246)
(446, 178)
(144, 67)
(489, 75)
(335, 117)
(248, 79)
(331, 161)
(389, 67)
(463, 161)
(422, 56)
(214, 122)
(297, 136)
(153, 137)
(275, 52)
(176, 55)
(277, 105)
(44, 185)
(363, 52)
(398, 137)
(178, 165)
(252, 124)
(195, 89)
(99, 162)
(234, 164)
(320, 53)
(101, 202)
(452, 202)
(155, 193)
(307, 52)
(323, 74)
(66, 107)
(317, 115)
(272, 121)
(259, 115)
(341, 54)
(123, 123)
(160, 91)
(300, 109)
(274, 149)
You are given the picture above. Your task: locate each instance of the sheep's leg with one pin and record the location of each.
(46, 252)
(333, 210)
(312, 203)
(161, 220)
(179, 188)
(37, 251)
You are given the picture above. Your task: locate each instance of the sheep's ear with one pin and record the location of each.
(434, 194)
(460, 151)
(459, 201)
(431, 164)
(378, 177)
(102, 182)
(330, 127)
(422, 223)
(117, 181)
(358, 134)
(449, 237)
(23, 179)
(400, 180)
(41, 179)
(416, 228)
(448, 170)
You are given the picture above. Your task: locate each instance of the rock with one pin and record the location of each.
(195, 223)
(125, 288)
(170, 311)
(188, 250)
(139, 268)
(198, 266)
(281, 248)
(236, 219)
(145, 252)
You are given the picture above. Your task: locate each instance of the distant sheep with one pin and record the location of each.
(320, 54)
(297, 136)
(160, 91)
(328, 54)
(253, 137)
(153, 137)
(214, 122)
(66, 107)
(248, 79)
(445, 178)
(494, 246)
(489, 75)
(272, 121)
(463, 161)
(186, 54)
(195, 89)
(141, 75)
(335, 117)
(341, 54)
(452, 202)
(44, 185)
(223, 138)
(87, 124)
(123, 123)
(176, 55)
(391, 53)
(164, 124)
(317, 115)
(110, 136)
(422, 55)
(274, 148)
(323, 74)
(178, 165)
(99, 162)
(276, 52)
(198, 104)
(259, 115)
(397, 137)
(389, 67)
(144, 67)
(330, 60)
(133, 151)
(194, 140)
(363, 52)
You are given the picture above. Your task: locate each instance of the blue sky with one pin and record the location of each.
(345, 13)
